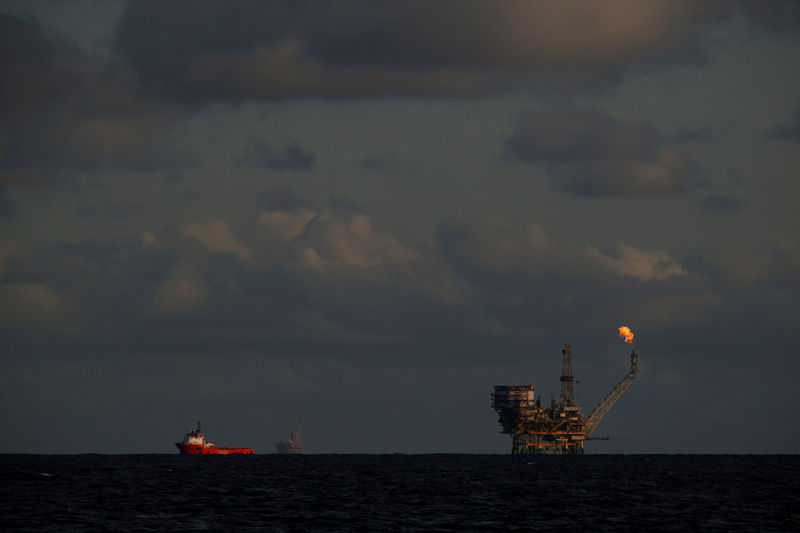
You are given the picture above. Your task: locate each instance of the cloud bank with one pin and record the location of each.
(64, 111)
(285, 156)
(589, 153)
(246, 50)
(788, 131)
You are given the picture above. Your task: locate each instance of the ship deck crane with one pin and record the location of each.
(602, 408)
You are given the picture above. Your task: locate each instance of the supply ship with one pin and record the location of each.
(195, 443)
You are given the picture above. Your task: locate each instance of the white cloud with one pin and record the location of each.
(285, 225)
(217, 237)
(487, 242)
(590, 153)
(630, 261)
(353, 243)
(538, 238)
(184, 290)
(30, 305)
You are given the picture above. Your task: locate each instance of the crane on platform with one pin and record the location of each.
(602, 408)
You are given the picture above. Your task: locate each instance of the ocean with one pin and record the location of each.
(399, 493)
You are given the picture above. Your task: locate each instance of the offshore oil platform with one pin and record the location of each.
(560, 429)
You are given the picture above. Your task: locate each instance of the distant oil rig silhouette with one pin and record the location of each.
(292, 443)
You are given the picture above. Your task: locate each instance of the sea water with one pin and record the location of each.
(399, 493)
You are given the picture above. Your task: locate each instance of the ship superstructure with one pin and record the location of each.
(560, 429)
(195, 443)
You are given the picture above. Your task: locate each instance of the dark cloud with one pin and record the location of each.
(281, 198)
(345, 204)
(723, 204)
(190, 195)
(592, 154)
(87, 210)
(387, 164)
(65, 111)
(485, 244)
(696, 134)
(98, 287)
(9, 208)
(246, 49)
(780, 16)
(286, 156)
(783, 270)
(117, 211)
(787, 132)
(176, 164)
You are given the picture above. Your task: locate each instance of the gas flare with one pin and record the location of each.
(626, 333)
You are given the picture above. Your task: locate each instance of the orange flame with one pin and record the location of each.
(626, 333)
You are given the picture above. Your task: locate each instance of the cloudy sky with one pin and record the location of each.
(377, 211)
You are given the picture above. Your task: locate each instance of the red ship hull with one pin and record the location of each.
(198, 449)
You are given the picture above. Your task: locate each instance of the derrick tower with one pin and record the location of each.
(567, 380)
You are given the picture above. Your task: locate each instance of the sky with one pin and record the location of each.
(377, 211)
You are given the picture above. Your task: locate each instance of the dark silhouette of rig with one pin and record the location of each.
(560, 429)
